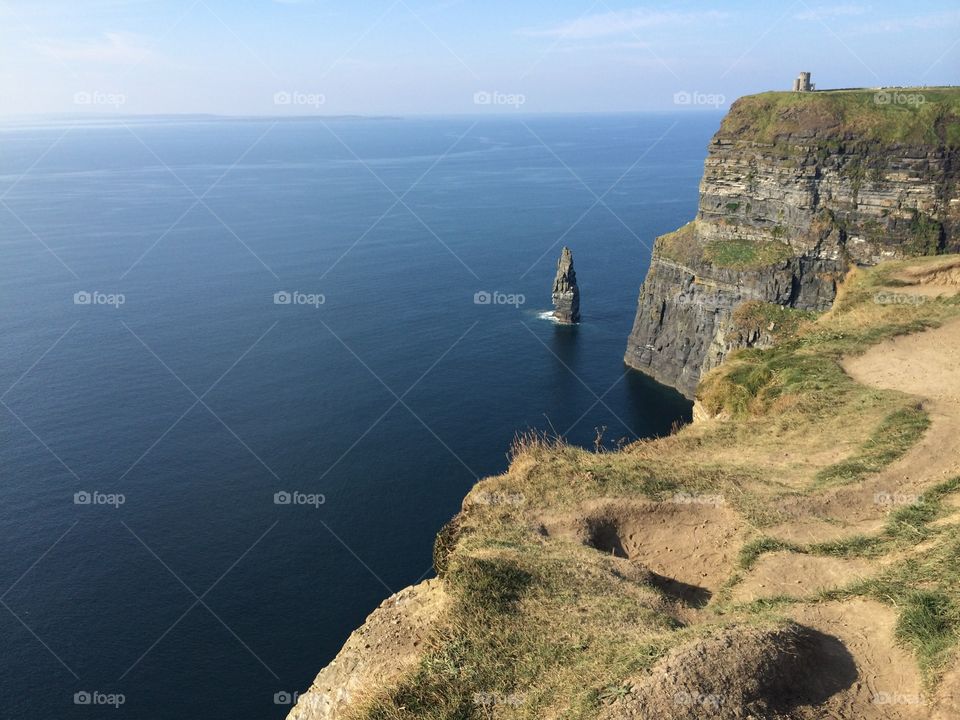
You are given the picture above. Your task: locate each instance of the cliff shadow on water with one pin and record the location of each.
(638, 405)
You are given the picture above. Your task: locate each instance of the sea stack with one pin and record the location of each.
(566, 294)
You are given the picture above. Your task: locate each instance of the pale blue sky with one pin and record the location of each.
(268, 57)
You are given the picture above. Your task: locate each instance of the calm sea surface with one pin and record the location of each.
(145, 361)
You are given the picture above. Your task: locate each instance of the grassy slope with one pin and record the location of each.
(914, 116)
(546, 627)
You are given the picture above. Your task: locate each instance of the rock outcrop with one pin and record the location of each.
(391, 641)
(796, 189)
(566, 294)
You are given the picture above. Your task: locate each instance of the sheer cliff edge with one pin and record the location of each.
(797, 188)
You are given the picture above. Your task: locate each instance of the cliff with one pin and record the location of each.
(790, 555)
(797, 188)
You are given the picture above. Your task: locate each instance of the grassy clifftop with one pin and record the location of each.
(800, 536)
(911, 116)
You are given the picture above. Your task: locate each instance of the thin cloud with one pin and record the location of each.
(602, 47)
(826, 12)
(929, 21)
(111, 48)
(620, 22)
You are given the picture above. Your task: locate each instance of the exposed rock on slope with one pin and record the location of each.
(796, 188)
(566, 294)
(391, 640)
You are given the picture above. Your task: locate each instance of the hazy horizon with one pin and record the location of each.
(452, 57)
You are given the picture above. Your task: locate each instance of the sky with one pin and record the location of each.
(411, 57)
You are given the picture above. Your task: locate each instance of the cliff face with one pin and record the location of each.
(796, 188)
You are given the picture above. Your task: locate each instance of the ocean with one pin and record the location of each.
(249, 368)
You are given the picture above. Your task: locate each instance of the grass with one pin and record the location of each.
(927, 623)
(781, 323)
(540, 625)
(890, 441)
(837, 115)
(743, 254)
(683, 246)
(753, 550)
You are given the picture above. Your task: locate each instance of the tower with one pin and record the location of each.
(802, 83)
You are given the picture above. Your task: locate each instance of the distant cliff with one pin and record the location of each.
(796, 188)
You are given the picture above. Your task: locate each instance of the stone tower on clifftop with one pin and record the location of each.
(566, 294)
(802, 83)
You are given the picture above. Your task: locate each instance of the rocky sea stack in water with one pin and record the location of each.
(566, 294)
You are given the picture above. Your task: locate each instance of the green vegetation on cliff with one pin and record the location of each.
(575, 575)
(744, 254)
(912, 116)
(684, 247)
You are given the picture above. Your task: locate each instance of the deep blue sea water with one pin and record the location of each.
(199, 398)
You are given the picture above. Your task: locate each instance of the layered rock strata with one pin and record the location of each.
(795, 190)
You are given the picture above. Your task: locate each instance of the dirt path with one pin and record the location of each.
(888, 685)
(926, 365)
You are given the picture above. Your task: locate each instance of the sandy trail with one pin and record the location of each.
(888, 685)
(926, 365)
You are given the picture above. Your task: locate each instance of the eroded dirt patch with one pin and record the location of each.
(888, 684)
(788, 574)
(942, 278)
(741, 672)
(690, 548)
